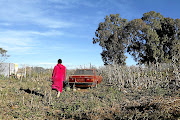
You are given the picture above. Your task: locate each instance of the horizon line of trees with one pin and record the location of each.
(150, 39)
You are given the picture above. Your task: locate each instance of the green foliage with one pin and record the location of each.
(151, 39)
(154, 38)
(111, 38)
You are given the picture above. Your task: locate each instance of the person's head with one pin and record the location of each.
(59, 61)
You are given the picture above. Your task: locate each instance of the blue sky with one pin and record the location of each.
(39, 32)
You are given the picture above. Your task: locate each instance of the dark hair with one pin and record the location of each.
(60, 61)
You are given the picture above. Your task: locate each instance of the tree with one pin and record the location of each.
(3, 54)
(144, 40)
(111, 37)
(156, 37)
(150, 39)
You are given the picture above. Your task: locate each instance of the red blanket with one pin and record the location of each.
(58, 77)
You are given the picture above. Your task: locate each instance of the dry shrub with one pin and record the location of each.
(134, 92)
(142, 77)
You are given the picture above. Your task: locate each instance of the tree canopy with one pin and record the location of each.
(111, 37)
(150, 39)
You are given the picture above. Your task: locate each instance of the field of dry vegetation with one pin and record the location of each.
(135, 92)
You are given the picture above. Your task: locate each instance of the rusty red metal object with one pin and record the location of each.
(85, 78)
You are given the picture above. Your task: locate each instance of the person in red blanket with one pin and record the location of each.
(58, 77)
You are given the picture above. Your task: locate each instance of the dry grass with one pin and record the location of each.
(125, 93)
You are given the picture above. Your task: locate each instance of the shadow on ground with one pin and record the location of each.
(32, 92)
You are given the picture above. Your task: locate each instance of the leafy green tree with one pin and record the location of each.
(143, 38)
(112, 38)
(154, 38)
(151, 39)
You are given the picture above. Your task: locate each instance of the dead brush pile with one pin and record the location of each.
(150, 92)
(125, 93)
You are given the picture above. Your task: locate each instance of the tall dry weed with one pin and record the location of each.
(142, 77)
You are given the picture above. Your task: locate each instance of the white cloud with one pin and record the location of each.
(51, 23)
(5, 24)
(34, 12)
(16, 49)
(28, 33)
(16, 42)
(25, 42)
(47, 33)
